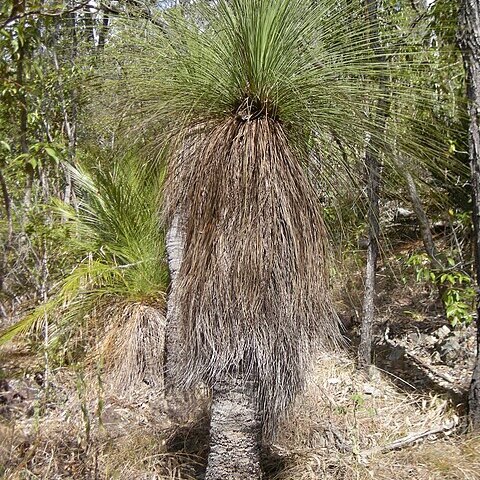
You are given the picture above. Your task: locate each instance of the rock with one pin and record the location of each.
(450, 351)
(430, 340)
(396, 354)
(414, 337)
(370, 390)
(442, 332)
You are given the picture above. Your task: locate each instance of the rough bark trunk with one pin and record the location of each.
(365, 346)
(373, 165)
(469, 42)
(235, 432)
(23, 126)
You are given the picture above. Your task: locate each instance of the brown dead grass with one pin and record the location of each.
(147, 436)
(343, 416)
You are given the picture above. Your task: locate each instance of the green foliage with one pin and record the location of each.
(310, 65)
(457, 287)
(117, 236)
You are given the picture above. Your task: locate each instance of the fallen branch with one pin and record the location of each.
(448, 426)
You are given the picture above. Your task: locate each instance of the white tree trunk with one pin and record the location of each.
(175, 240)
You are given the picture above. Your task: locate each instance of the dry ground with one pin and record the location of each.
(71, 425)
(341, 428)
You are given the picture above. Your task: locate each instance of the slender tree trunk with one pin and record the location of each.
(69, 117)
(469, 42)
(174, 244)
(235, 432)
(373, 166)
(425, 230)
(422, 218)
(423, 222)
(102, 35)
(8, 208)
(23, 125)
(8, 241)
(373, 189)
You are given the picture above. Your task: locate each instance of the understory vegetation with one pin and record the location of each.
(273, 197)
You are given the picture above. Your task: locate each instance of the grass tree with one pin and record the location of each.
(255, 104)
(112, 304)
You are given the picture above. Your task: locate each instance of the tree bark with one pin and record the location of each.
(174, 244)
(423, 222)
(425, 230)
(469, 42)
(23, 125)
(373, 166)
(373, 188)
(8, 241)
(102, 35)
(8, 208)
(69, 117)
(236, 422)
(235, 432)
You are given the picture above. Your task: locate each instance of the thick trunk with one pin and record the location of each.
(469, 41)
(235, 432)
(236, 422)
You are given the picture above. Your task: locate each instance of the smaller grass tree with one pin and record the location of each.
(111, 306)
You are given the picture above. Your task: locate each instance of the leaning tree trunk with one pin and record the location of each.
(422, 219)
(469, 41)
(235, 432)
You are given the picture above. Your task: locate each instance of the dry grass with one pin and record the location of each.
(146, 436)
(255, 254)
(131, 351)
(344, 414)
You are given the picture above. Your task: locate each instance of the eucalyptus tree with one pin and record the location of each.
(469, 41)
(253, 104)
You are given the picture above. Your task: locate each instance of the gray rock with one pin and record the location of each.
(430, 340)
(450, 350)
(396, 354)
(435, 358)
(442, 332)
(414, 337)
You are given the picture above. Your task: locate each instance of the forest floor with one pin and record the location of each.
(405, 420)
